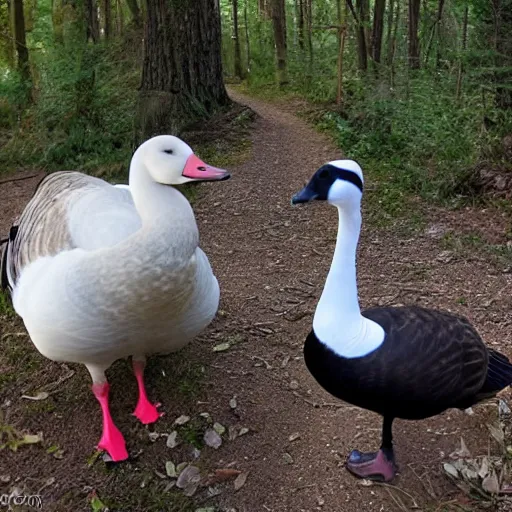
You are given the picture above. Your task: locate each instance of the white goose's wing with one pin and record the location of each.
(69, 210)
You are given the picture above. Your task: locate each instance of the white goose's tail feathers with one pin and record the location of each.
(5, 280)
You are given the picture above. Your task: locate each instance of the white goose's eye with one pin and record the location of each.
(169, 151)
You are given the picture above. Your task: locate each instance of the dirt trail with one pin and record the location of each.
(271, 260)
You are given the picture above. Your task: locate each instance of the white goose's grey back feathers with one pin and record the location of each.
(53, 221)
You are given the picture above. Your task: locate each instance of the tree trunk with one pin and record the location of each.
(120, 17)
(238, 58)
(436, 27)
(463, 51)
(502, 14)
(10, 47)
(362, 59)
(264, 8)
(247, 39)
(107, 13)
(414, 43)
(20, 40)
(342, 33)
(365, 20)
(300, 22)
(279, 24)
(308, 15)
(182, 68)
(134, 9)
(58, 21)
(389, 30)
(91, 15)
(378, 29)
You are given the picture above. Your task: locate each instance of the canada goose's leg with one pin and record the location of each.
(112, 441)
(376, 465)
(145, 410)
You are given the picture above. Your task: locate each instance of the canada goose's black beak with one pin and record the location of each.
(306, 195)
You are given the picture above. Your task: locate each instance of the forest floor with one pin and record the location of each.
(287, 436)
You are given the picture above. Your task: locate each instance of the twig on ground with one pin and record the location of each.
(267, 364)
(19, 178)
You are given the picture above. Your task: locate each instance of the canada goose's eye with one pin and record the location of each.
(323, 175)
(168, 151)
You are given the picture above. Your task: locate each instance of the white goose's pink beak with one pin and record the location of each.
(196, 169)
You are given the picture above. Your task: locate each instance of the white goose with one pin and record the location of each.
(101, 272)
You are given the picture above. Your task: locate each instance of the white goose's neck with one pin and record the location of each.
(167, 217)
(338, 322)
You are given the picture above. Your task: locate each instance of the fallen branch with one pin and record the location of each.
(19, 178)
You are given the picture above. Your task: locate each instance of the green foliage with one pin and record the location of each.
(415, 131)
(85, 94)
(424, 144)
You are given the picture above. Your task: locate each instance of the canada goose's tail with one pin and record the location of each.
(499, 375)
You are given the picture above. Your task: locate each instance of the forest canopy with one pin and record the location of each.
(417, 89)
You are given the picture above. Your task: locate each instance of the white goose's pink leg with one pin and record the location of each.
(145, 410)
(112, 441)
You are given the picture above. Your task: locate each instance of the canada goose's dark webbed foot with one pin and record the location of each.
(378, 466)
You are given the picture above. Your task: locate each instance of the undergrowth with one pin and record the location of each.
(413, 140)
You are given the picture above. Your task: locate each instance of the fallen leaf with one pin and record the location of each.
(221, 475)
(170, 469)
(182, 420)
(32, 438)
(503, 408)
(484, 468)
(96, 504)
(212, 439)
(232, 433)
(220, 429)
(172, 439)
(490, 484)
(189, 480)
(497, 432)
(451, 470)
(42, 395)
(287, 458)
(170, 485)
(462, 452)
(221, 347)
(181, 466)
(240, 480)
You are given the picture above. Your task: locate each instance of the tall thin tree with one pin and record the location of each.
(21, 40)
(279, 25)
(414, 43)
(378, 29)
(236, 41)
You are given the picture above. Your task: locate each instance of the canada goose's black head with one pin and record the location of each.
(340, 183)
